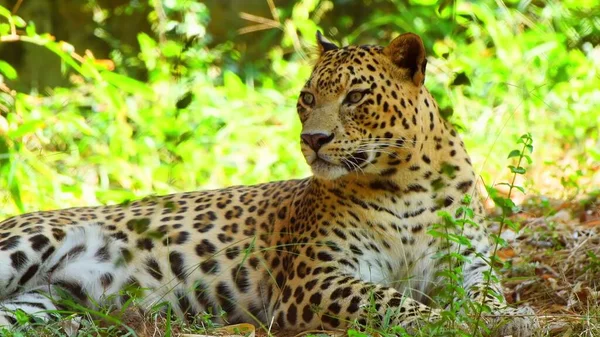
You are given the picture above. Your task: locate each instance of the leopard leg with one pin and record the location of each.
(84, 264)
(330, 299)
(483, 286)
(33, 303)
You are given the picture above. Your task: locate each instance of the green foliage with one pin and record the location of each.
(112, 138)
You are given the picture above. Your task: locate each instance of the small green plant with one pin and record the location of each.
(462, 316)
(356, 333)
(507, 206)
(450, 231)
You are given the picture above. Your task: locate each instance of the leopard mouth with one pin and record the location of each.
(323, 167)
(322, 163)
(356, 161)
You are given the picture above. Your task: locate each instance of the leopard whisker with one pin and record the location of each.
(365, 150)
(386, 144)
(352, 163)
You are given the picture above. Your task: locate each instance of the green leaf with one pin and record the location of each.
(8, 70)
(517, 170)
(128, 84)
(4, 29)
(168, 323)
(526, 136)
(234, 85)
(499, 240)
(529, 148)
(185, 101)
(66, 58)
(5, 13)
(515, 226)
(7, 170)
(461, 240)
(467, 212)
(30, 29)
(171, 49)
(514, 153)
(184, 137)
(4, 152)
(21, 316)
(146, 42)
(504, 203)
(26, 128)
(18, 21)
(436, 234)
(443, 4)
(148, 50)
(80, 124)
(446, 112)
(15, 193)
(461, 79)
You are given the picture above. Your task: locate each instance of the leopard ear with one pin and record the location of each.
(407, 51)
(324, 44)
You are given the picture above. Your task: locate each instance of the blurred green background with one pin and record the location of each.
(103, 101)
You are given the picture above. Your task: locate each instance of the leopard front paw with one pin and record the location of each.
(515, 322)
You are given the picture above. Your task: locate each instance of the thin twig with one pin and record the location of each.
(16, 7)
(260, 19)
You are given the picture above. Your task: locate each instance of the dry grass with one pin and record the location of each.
(554, 266)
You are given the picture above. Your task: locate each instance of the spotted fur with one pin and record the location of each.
(321, 252)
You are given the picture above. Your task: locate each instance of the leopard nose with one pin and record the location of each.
(316, 140)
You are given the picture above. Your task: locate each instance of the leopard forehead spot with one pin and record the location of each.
(337, 70)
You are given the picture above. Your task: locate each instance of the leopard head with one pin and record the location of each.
(362, 108)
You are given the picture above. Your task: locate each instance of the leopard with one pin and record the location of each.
(348, 245)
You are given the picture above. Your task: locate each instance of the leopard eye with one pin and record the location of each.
(307, 98)
(354, 97)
